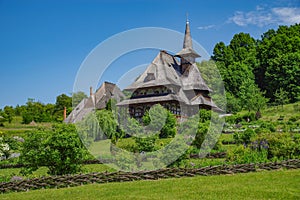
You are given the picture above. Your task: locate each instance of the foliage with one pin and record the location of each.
(266, 127)
(9, 113)
(204, 115)
(279, 57)
(108, 125)
(244, 137)
(281, 145)
(281, 97)
(250, 96)
(59, 149)
(201, 133)
(243, 155)
(3, 118)
(160, 119)
(34, 112)
(210, 74)
(62, 101)
(169, 129)
(77, 98)
(233, 103)
(236, 61)
(273, 62)
(146, 144)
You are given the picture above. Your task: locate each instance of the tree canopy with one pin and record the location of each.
(261, 66)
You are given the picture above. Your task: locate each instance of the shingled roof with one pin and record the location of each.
(95, 101)
(162, 71)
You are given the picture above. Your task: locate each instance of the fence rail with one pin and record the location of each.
(81, 179)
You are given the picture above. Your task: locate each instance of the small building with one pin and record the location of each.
(96, 101)
(174, 81)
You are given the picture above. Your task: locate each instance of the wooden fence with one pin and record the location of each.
(81, 179)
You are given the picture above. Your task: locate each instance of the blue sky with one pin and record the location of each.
(43, 43)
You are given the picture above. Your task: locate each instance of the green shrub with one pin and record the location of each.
(159, 117)
(59, 149)
(244, 137)
(266, 127)
(146, 144)
(281, 145)
(200, 135)
(249, 117)
(128, 144)
(243, 155)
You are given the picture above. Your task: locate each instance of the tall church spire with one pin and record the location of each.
(187, 43)
(187, 55)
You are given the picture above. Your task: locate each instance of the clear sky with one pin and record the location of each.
(44, 42)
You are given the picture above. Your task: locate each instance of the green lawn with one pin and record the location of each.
(6, 174)
(273, 113)
(282, 184)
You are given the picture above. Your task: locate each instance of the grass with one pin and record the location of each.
(16, 128)
(226, 137)
(273, 113)
(6, 174)
(282, 184)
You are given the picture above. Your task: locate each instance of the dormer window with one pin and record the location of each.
(149, 77)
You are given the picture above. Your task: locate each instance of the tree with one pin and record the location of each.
(233, 104)
(109, 126)
(250, 96)
(279, 58)
(34, 111)
(62, 101)
(58, 149)
(159, 119)
(236, 61)
(77, 98)
(10, 113)
(281, 97)
(213, 79)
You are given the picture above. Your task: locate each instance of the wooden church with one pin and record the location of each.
(174, 81)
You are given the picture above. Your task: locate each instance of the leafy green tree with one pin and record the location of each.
(62, 101)
(3, 118)
(213, 79)
(77, 98)
(281, 97)
(250, 96)
(169, 129)
(233, 103)
(19, 110)
(34, 111)
(109, 126)
(58, 149)
(10, 113)
(201, 133)
(159, 119)
(279, 58)
(236, 61)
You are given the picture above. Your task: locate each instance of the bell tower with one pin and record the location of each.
(187, 55)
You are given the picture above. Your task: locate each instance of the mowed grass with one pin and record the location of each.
(282, 184)
(287, 111)
(42, 171)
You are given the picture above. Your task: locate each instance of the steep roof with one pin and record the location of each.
(192, 79)
(105, 92)
(96, 101)
(162, 71)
